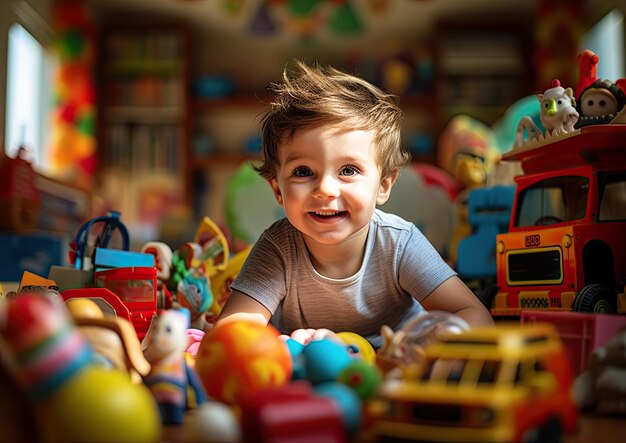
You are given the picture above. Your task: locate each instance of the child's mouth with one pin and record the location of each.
(328, 215)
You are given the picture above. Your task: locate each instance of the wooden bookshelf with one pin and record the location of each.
(144, 119)
(483, 65)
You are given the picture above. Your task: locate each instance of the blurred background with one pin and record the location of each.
(151, 107)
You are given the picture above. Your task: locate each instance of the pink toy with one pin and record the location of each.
(194, 338)
(581, 333)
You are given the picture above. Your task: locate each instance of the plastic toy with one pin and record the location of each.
(324, 360)
(104, 259)
(507, 384)
(587, 71)
(113, 339)
(220, 282)
(581, 333)
(194, 294)
(163, 262)
(292, 412)
(466, 149)
(565, 244)
(363, 378)
(406, 346)
(106, 226)
(558, 109)
(348, 401)
(136, 287)
(107, 301)
(598, 100)
(242, 356)
(73, 399)
(174, 385)
(489, 211)
(215, 252)
(358, 346)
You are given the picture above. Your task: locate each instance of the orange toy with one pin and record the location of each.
(241, 356)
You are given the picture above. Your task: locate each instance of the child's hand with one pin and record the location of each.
(304, 336)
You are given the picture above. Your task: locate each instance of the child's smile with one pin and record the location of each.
(329, 184)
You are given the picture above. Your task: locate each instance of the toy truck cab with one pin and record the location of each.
(136, 287)
(566, 244)
(505, 384)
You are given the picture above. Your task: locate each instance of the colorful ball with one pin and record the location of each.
(240, 356)
(101, 404)
(362, 377)
(324, 359)
(363, 348)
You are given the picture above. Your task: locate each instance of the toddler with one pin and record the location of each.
(331, 153)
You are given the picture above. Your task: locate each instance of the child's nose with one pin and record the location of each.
(328, 186)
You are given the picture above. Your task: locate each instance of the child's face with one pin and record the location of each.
(329, 183)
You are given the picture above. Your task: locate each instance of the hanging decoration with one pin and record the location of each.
(73, 149)
(345, 20)
(233, 7)
(306, 18)
(262, 21)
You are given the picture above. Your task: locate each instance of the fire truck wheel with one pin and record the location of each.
(595, 298)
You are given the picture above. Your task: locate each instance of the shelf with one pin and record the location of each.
(221, 159)
(141, 66)
(241, 101)
(145, 114)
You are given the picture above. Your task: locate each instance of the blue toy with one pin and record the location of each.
(489, 210)
(108, 224)
(324, 360)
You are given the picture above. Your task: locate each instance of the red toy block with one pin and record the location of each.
(580, 333)
(291, 413)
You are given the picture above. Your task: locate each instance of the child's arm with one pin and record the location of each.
(455, 297)
(241, 307)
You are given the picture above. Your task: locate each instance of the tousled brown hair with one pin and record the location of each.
(316, 95)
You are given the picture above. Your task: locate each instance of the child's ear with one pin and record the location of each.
(277, 194)
(385, 187)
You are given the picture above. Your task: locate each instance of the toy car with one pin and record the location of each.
(137, 289)
(564, 249)
(504, 384)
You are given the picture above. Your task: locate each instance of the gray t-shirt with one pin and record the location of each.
(400, 268)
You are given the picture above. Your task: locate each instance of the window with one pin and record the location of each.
(613, 197)
(606, 38)
(28, 96)
(553, 200)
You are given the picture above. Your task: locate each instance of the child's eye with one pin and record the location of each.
(349, 171)
(302, 172)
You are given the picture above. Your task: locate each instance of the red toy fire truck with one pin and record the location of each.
(566, 245)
